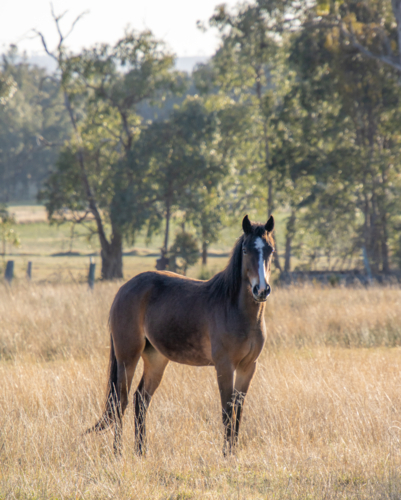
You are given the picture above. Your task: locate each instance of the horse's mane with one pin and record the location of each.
(227, 284)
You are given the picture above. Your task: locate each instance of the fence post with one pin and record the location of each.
(91, 275)
(9, 274)
(29, 271)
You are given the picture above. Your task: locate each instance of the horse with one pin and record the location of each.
(162, 316)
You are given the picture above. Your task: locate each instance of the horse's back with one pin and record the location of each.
(169, 310)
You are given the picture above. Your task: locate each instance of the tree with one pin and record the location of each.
(206, 213)
(244, 62)
(7, 232)
(33, 126)
(246, 66)
(308, 121)
(101, 89)
(8, 88)
(183, 253)
(355, 177)
(372, 28)
(181, 163)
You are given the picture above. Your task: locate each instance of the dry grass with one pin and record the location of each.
(322, 419)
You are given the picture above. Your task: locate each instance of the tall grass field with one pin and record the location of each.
(322, 418)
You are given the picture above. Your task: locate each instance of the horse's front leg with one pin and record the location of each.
(225, 380)
(243, 378)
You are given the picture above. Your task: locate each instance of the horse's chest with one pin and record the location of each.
(243, 340)
(255, 338)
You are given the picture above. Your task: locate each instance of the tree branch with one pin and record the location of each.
(80, 155)
(389, 60)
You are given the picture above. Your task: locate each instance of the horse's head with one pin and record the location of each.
(257, 252)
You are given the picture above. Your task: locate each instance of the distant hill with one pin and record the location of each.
(186, 63)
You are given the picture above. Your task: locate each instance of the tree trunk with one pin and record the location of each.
(270, 203)
(384, 225)
(386, 265)
(111, 252)
(276, 259)
(288, 241)
(112, 258)
(204, 253)
(384, 241)
(375, 246)
(258, 85)
(269, 196)
(165, 246)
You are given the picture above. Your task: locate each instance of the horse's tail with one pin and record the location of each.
(112, 407)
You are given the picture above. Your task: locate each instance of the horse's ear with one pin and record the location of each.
(246, 225)
(269, 226)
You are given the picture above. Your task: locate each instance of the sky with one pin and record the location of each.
(173, 21)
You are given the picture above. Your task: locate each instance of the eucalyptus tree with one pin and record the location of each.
(372, 28)
(309, 144)
(243, 67)
(181, 163)
(102, 88)
(33, 126)
(248, 67)
(359, 173)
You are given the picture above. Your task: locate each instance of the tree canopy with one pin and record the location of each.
(297, 112)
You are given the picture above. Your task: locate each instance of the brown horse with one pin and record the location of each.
(164, 317)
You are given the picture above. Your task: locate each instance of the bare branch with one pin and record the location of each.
(56, 21)
(79, 219)
(396, 6)
(390, 60)
(38, 33)
(80, 154)
(78, 18)
(40, 140)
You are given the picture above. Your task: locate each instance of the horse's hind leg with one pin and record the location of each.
(125, 374)
(153, 370)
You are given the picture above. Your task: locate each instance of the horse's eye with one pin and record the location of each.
(244, 250)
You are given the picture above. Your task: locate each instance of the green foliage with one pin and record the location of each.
(183, 253)
(205, 274)
(97, 174)
(178, 158)
(8, 87)
(33, 125)
(355, 103)
(298, 110)
(7, 233)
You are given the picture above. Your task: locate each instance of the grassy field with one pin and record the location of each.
(60, 255)
(322, 418)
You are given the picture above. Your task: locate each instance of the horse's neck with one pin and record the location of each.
(248, 306)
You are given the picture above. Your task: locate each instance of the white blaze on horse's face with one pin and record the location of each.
(259, 245)
(258, 267)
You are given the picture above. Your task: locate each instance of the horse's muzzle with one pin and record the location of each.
(261, 295)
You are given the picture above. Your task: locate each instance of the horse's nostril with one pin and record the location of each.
(255, 290)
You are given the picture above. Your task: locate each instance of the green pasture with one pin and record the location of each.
(61, 253)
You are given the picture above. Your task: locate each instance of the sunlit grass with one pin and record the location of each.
(322, 418)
